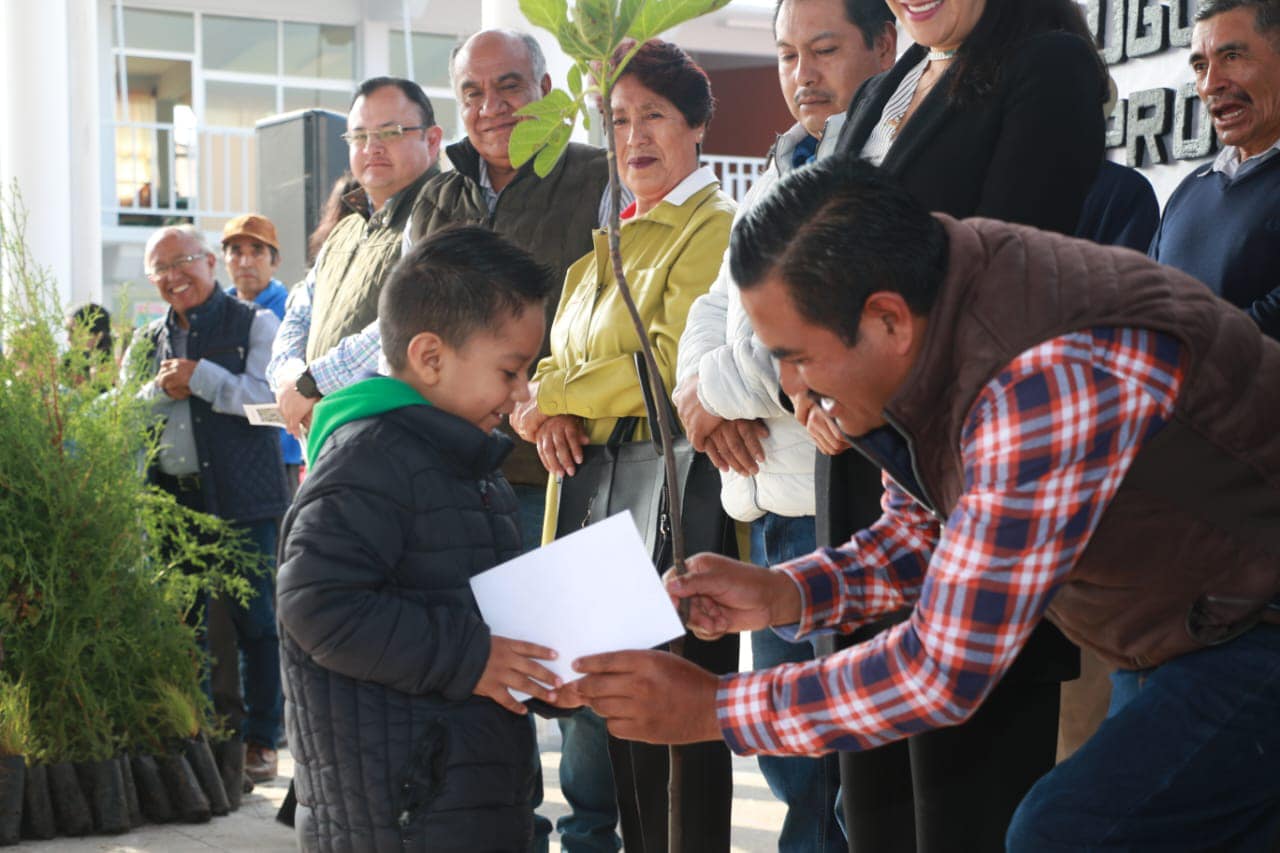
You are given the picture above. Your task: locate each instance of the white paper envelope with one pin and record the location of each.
(592, 591)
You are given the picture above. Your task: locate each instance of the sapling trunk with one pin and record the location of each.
(662, 403)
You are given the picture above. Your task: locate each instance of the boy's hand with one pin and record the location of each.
(514, 664)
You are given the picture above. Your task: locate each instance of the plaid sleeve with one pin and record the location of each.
(289, 350)
(1044, 448)
(355, 357)
(879, 571)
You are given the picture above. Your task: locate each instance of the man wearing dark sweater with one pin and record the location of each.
(1222, 224)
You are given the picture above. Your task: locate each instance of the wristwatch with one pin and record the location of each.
(306, 385)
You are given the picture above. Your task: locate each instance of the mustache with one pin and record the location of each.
(808, 92)
(1235, 95)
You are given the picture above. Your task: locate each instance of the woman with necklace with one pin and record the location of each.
(994, 112)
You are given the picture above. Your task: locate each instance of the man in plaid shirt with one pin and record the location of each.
(1027, 397)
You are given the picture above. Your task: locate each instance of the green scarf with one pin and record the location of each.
(361, 400)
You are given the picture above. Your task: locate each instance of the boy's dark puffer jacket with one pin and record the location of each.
(382, 644)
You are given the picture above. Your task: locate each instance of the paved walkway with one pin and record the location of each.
(757, 816)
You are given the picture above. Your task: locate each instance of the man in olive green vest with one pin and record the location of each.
(324, 342)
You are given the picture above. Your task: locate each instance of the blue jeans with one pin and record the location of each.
(255, 627)
(532, 509)
(1187, 759)
(808, 786)
(586, 780)
(532, 506)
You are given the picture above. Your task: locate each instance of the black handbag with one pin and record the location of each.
(626, 474)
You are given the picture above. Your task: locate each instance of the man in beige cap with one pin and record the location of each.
(251, 254)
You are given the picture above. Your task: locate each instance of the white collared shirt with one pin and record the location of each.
(1229, 163)
(683, 191)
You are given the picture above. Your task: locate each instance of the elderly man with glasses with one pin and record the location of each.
(393, 145)
(208, 356)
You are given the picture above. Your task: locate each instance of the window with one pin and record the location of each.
(237, 104)
(325, 99)
(317, 50)
(247, 45)
(145, 29)
(430, 58)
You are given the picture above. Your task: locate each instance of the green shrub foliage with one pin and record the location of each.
(92, 606)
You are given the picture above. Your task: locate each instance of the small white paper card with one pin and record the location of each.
(264, 414)
(592, 591)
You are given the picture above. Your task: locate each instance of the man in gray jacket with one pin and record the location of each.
(727, 393)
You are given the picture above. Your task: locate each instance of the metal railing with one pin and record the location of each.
(163, 171)
(736, 174)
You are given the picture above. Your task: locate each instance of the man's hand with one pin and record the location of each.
(514, 664)
(174, 377)
(526, 419)
(736, 444)
(654, 697)
(698, 422)
(560, 441)
(822, 429)
(295, 409)
(728, 596)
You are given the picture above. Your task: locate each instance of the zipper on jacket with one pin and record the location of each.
(484, 495)
(890, 467)
(924, 497)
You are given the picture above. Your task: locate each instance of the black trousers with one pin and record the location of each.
(641, 771)
(952, 790)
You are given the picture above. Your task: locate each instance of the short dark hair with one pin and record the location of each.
(455, 282)
(1266, 20)
(666, 69)
(869, 16)
(93, 319)
(411, 90)
(836, 232)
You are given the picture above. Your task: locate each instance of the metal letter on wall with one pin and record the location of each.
(1116, 123)
(1189, 114)
(1147, 131)
(1182, 14)
(1106, 22)
(1148, 28)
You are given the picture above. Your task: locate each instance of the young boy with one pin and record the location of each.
(403, 732)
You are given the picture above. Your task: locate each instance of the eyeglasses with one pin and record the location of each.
(157, 273)
(385, 135)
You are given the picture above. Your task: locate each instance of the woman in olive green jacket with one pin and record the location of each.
(673, 239)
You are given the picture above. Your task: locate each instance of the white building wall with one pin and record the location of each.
(48, 131)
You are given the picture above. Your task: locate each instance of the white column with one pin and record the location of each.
(84, 114)
(506, 13)
(35, 129)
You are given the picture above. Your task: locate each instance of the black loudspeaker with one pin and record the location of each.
(300, 156)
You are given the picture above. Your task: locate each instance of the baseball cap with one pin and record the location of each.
(252, 225)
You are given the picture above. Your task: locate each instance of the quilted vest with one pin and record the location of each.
(1187, 554)
(241, 470)
(356, 259)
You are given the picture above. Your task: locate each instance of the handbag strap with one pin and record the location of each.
(652, 411)
(623, 430)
